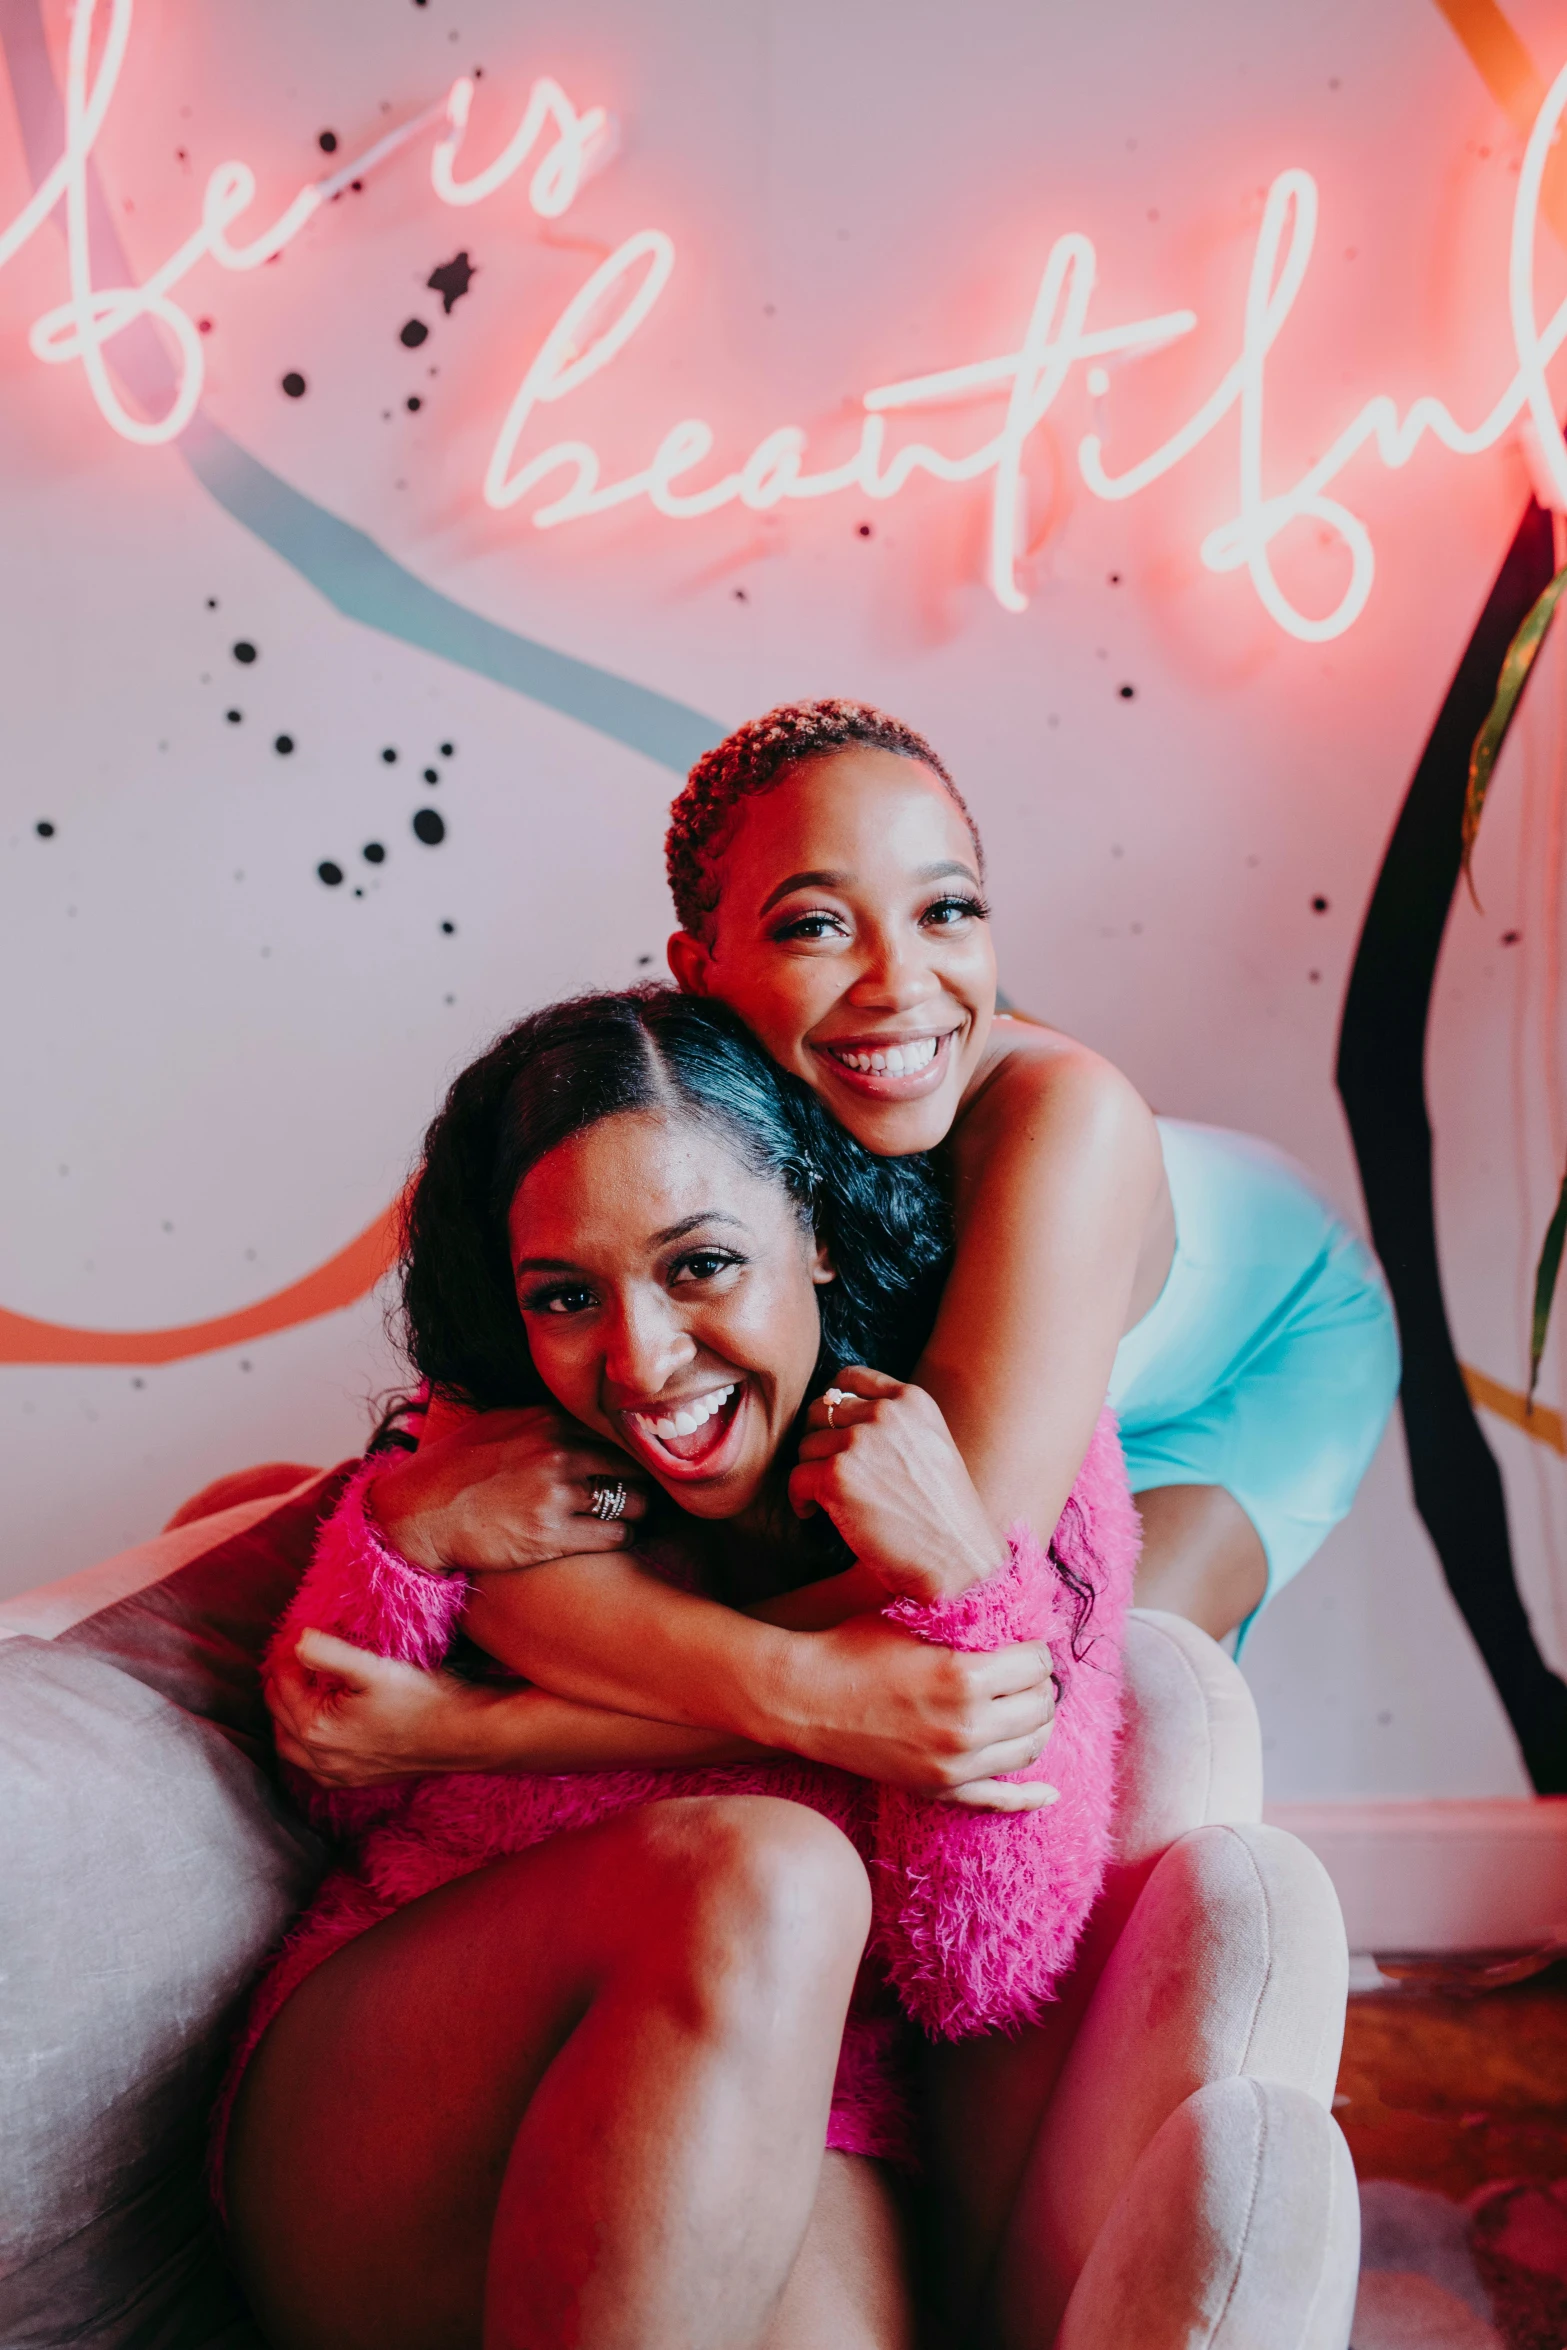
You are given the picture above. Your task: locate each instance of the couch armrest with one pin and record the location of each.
(1239, 2228)
(1231, 1965)
(1192, 1753)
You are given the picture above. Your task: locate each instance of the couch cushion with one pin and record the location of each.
(147, 1866)
(190, 1612)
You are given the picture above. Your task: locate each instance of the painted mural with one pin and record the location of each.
(425, 431)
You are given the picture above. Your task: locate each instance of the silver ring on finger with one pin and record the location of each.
(609, 1498)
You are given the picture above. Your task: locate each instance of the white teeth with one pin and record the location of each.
(896, 1061)
(690, 1416)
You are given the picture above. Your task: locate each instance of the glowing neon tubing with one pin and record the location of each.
(80, 327)
(1245, 540)
(1532, 354)
(774, 470)
(51, 187)
(583, 142)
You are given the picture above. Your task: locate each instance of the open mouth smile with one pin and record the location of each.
(891, 1069)
(690, 1437)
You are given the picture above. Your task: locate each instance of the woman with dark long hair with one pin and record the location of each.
(554, 2054)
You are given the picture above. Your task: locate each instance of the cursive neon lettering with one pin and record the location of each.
(81, 327)
(564, 145)
(583, 144)
(565, 360)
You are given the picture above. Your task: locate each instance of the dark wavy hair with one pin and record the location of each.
(884, 1222)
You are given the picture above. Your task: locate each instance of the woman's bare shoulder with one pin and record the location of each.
(1037, 1079)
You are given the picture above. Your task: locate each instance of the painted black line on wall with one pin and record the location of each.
(1381, 1079)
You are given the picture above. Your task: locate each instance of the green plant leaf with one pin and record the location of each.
(1516, 665)
(1545, 1273)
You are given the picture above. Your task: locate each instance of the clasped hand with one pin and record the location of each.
(880, 1460)
(507, 1490)
(490, 1491)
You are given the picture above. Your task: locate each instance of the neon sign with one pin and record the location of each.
(620, 296)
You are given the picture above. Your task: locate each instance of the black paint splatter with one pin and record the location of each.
(432, 775)
(374, 853)
(244, 651)
(294, 384)
(283, 745)
(327, 142)
(1319, 905)
(329, 873)
(44, 829)
(212, 603)
(447, 750)
(390, 756)
(233, 716)
(430, 827)
(1126, 692)
(451, 281)
(447, 929)
(413, 403)
(414, 333)
(1510, 938)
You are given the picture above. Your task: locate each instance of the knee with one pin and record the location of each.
(763, 1899)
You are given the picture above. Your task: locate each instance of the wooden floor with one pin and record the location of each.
(1452, 2092)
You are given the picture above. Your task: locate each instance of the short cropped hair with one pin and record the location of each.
(756, 758)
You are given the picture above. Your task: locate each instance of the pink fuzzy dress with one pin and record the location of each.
(975, 1915)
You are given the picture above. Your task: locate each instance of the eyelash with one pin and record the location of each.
(550, 1299)
(720, 1259)
(974, 907)
(795, 928)
(544, 1301)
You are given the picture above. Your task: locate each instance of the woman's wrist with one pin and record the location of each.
(778, 1689)
(392, 1506)
(983, 1555)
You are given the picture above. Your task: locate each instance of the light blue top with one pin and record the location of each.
(1268, 1364)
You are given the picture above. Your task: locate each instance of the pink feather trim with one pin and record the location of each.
(976, 1914)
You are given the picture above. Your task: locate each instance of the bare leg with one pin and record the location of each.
(1202, 1556)
(849, 2288)
(983, 2100)
(578, 2097)
(1202, 1559)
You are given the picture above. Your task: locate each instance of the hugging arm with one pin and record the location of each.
(1058, 1174)
(863, 1695)
(977, 1919)
(630, 1671)
(357, 1698)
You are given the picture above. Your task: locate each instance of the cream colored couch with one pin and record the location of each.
(1189, 2186)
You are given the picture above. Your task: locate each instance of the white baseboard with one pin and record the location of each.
(1418, 1875)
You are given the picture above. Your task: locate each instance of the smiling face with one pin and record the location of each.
(669, 1296)
(851, 937)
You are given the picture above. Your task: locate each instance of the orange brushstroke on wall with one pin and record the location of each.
(1515, 82)
(341, 1281)
(1540, 1422)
